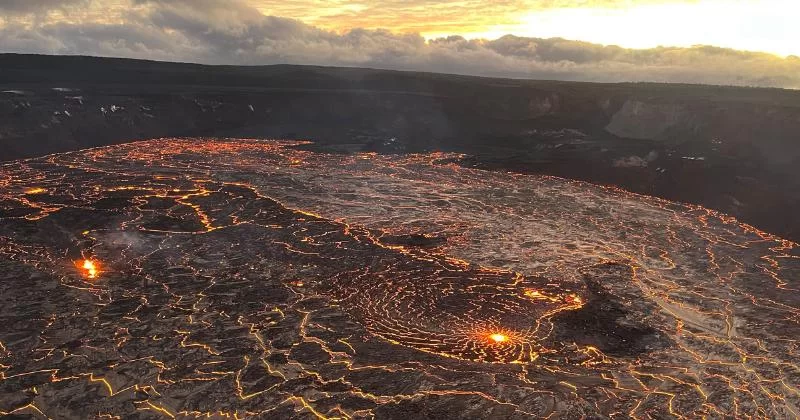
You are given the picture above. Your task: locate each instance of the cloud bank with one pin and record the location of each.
(212, 32)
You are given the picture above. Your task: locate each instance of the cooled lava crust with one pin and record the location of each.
(242, 278)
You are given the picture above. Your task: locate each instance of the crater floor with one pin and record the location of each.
(243, 278)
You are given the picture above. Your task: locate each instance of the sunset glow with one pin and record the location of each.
(751, 25)
(723, 42)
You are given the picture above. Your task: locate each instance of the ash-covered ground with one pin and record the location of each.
(242, 278)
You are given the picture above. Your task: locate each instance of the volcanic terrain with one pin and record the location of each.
(244, 278)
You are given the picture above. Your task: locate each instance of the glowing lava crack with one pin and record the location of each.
(242, 278)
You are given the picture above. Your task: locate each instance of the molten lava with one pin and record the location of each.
(574, 300)
(91, 268)
(498, 338)
(535, 294)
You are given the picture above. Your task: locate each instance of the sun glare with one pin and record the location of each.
(742, 25)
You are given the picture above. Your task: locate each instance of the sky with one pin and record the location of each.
(729, 42)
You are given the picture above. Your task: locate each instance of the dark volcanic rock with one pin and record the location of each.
(413, 240)
(605, 322)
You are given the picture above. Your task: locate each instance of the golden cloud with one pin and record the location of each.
(254, 32)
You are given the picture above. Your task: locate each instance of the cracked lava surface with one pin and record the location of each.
(242, 278)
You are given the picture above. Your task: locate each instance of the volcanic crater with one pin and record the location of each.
(186, 277)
